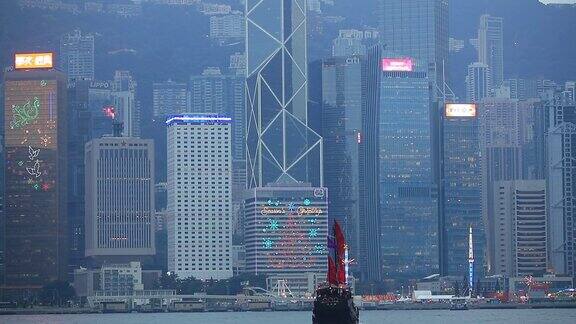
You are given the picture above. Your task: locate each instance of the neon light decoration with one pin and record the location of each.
(397, 65)
(293, 237)
(313, 232)
(267, 243)
(109, 112)
(273, 224)
(25, 114)
(198, 119)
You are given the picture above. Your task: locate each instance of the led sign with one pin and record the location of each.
(460, 110)
(33, 61)
(397, 64)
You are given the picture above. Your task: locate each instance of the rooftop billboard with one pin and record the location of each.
(397, 64)
(24, 61)
(460, 110)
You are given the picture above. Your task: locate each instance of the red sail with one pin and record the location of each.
(340, 250)
(332, 279)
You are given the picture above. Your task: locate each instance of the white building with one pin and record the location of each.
(169, 98)
(121, 279)
(491, 47)
(77, 55)
(478, 84)
(521, 227)
(119, 197)
(227, 27)
(199, 196)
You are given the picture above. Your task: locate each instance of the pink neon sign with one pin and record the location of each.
(397, 64)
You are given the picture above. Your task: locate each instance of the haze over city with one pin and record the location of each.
(330, 159)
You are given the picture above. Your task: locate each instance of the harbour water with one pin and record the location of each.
(508, 316)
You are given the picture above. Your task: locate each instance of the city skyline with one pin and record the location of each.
(440, 147)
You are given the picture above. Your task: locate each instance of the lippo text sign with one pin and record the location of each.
(460, 110)
(397, 64)
(34, 60)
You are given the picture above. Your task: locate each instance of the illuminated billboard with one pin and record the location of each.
(397, 64)
(460, 110)
(31, 135)
(33, 61)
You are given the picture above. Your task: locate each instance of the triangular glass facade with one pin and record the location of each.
(280, 144)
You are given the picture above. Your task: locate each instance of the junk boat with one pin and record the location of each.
(334, 303)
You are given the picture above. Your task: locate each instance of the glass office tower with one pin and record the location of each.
(281, 147)
(399, 102)
(418, 29)
(462, 195)
(343, 100)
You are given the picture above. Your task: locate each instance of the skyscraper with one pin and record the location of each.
(169, 97)
(343, 99)
(217, 93)
(399, 102)
(119, 199)
(478, 84)
(79, 131)
(491, 47)
(35, 212)
(500, 144)
(561, 151)
(199, 196)
(125, 104)
(417, 29)
(281, 145)
(77, 55)
(521, 231)
(461, 191)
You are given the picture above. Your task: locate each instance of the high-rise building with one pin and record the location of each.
(285, 229)
(77, 55)
(281, 145)
(79, 131)
(1, 185)
(238, 64)
(347, 46)
(343, 99)
(35, 168)
(119, 199)
(561, 151)
(125, 104)
(217, 93)
(227, 27)
(522, 89)
(501, 150)
(169, 97)
(478, 84)
(398, 115)
(461, 192)
(199, 196)
(521, 231)
(417, 29)
(491, 47)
